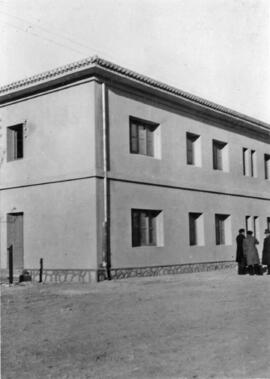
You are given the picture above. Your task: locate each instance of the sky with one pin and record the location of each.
(215, 49)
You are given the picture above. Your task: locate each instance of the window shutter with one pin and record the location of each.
(135, 228)
(19, 142)
(142, 139)
(133, 137)
(152, 229)
(219, 157)
(143, 228)
(190, 158)
(150, 141)
(192, 230)
(222, 231)
(252, 163)
(217, 230)
(215, 156)
(10, 144)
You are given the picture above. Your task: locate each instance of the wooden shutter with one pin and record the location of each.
(143, 229)
(150, 141)
(10, 144)
(217, 230)
(142, 139)
(190, 154)
(152, 228)
(222, 230)
(133, 137)
(244, 162)
(215, 156)
(19, 141)
(135, 228)
(219, 157)
(192, 229)
(252, 163)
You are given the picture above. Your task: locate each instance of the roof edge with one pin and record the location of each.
(77, 66)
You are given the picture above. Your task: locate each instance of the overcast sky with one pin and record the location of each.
(216, 49)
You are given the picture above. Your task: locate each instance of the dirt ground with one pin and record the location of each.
(204, 325)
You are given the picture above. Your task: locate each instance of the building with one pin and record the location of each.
(104, 170)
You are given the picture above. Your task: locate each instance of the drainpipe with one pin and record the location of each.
(106, 251)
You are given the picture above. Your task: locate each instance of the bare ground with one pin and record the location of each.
(205, 325)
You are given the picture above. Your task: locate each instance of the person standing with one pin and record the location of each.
(251, 253)
(266, 251)
(240, 258)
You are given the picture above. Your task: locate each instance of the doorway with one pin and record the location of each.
(15, 238)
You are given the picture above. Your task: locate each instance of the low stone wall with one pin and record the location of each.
(122, 273)
(91, 276)
(64, 276)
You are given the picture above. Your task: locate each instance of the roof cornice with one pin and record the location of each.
(25, 86)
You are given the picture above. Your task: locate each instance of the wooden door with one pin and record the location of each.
(15, 238)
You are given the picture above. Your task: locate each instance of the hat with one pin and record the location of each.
(267, 231)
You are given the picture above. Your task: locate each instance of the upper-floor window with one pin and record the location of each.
(193, 149)
(14, 142)
(220, 156)
(267, 166)
(147, 227)
(143, 137)
(249, 162)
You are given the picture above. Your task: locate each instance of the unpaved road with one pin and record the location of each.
(204, 325)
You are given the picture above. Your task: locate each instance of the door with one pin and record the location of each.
(15, 238)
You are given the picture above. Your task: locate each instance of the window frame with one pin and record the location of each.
(193, 149)
(145, 227)
(267, 166)
(222, 229)
(218, 151)
(196, 229)
(15, 142)
(142, 137)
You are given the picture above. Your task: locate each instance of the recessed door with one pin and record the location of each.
(15, 238)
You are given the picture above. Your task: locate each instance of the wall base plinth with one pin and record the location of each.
(122, 273)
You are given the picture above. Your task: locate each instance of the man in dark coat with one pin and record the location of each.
(266, 251)
(240, 259)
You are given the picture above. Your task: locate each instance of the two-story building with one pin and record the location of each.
(103, 169)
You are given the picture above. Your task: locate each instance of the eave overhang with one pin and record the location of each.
(114, 74)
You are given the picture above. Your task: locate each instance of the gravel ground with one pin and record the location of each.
(204, 325)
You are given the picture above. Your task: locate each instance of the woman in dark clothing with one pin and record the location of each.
(240, 259)
(266, 251)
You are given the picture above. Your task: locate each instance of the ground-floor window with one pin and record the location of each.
(196, 232)
(223, 229)
(146, 227)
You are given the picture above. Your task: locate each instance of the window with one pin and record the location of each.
(256, 229)
(245, 162)
(249, 162)
(146, 227)
(268, 223)
(252, 224)
(15, 142)
(223, 229)
(220, 156)
(267, 166)
(196, 234)
(193, 149)
(253, 165)
(248, 223)
(143, 137)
